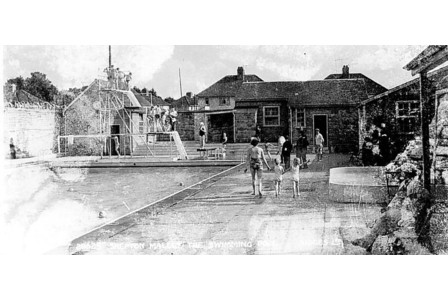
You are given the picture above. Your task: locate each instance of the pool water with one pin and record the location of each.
(44, 209)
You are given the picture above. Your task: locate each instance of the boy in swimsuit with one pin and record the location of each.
(255, 159)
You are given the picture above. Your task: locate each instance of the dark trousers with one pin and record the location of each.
(287, 159)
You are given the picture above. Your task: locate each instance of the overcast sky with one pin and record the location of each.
(158, 66)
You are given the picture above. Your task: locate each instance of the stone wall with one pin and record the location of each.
(85, 117)
(244, 124)
(32, 129)
(185, 126)
(342, 127)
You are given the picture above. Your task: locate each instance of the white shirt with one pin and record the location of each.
(319, 139)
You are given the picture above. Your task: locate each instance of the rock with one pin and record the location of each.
(438, 231)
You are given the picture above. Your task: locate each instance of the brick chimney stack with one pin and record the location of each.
(240, 73)
(345, 72)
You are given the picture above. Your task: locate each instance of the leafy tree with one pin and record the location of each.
(37, 85)
(137, 89)
(40, 86)
(18, 81)
(169, 100)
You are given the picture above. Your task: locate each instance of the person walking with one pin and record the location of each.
(202, 133)
(319, 144)
(286, 152)
(302, 148)
(255, 159)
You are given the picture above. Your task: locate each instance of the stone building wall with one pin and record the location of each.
(33, 130)
(244, 124)
(185, 126)
(85, 117)
(342, 127)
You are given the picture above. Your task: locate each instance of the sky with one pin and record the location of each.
(200, 66)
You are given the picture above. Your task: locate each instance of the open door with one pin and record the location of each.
(321, 122)
(114, 131)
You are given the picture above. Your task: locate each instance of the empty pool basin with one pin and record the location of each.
(357, 184)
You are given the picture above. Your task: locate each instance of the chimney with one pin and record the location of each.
(240, 73)
(189, 94)
(345, 72)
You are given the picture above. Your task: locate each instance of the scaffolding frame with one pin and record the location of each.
(111, 105)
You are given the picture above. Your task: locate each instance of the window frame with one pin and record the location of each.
(278, 115)
(224, 101)
(407, 116)
(296, 110)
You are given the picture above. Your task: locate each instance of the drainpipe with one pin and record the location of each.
(425, 121)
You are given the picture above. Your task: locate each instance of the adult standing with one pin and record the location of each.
(258, 132)
(281, 140)
(173, 115)
(128, 80)
(302, 148)
(384, 145)
(202, 133)
(286, 152)
(12, 149)
(319, 140)
(255, 159)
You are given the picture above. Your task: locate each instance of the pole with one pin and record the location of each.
(425, 121)
(110, 56)
(180, 82)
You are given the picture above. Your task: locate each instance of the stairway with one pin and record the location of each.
(188, 149)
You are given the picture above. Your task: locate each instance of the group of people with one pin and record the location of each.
(376, 147)
(256, 158)
(118, 79)
(162, 120)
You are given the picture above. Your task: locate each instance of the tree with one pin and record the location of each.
(18, 81)
(137, 89)
(169, 100)
(39, 86)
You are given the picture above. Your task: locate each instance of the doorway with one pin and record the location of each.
(321, 122)
(114, 131)
(218, 124)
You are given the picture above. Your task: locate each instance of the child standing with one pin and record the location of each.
(278, 170)
(295, 169)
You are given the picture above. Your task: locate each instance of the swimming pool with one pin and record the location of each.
(44, 209)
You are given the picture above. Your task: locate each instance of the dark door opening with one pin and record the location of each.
(321, 123)
(114, 131)
(218, 124)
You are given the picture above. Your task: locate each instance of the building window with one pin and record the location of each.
(407, 115)
(141, 123)
(224, 101)
(207, 101)
(300, 118)
(271, 116)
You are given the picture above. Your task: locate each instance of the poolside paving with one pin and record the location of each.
(222, 217)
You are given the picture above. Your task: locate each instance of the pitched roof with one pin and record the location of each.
(147, 100)
(433, 76)
(21, 96)
(373, 88)
(183, 101)
(429, 58)
(309, 93)
(228, 86)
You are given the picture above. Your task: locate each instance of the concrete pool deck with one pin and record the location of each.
(221, 216)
